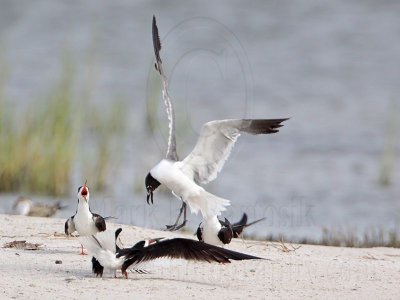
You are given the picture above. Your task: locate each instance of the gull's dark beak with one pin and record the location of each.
(149, 196)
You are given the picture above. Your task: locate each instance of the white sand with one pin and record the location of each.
(309, 272)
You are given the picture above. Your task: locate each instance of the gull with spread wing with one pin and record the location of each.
(206, 160)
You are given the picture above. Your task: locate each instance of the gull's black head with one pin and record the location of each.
(151, 184)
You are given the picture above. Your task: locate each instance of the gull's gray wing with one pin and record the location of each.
(171, 151)
(215, 143)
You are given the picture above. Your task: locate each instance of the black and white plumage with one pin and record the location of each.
(216, 232)
(84, 221)
(26, 207)
(102, 247)
(206, 160)
(97, 268)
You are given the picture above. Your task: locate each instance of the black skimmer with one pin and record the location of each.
(206, 160)
(97, 268)
(26, 207)
(84, 221)
(102, 247)
(216, 232)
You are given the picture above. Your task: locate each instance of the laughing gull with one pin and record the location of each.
(216, 232)
(26, 207)
(84, 221)
(102, 246)
(206, 160)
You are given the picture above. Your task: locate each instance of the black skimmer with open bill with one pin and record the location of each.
(206, 160)
(216, 232)
(84, 221)
(102, 247)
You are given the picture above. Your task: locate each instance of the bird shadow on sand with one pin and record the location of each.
(179, 280)
(146, 277)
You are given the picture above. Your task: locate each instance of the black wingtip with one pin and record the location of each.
(156, 42)
(117, 232)
(233, 255)
(239, 226)
(242, 221)
(254, 222)
(264, 126)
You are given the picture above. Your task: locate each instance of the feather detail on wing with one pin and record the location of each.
(180, 248)
(215, 143)
(171, 151)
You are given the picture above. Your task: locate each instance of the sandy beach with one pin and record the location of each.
(308, 272)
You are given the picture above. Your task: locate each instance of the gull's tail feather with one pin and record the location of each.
(208, 204)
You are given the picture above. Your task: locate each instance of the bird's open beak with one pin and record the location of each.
(84, 191)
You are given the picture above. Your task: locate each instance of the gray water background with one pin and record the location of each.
(332, 66)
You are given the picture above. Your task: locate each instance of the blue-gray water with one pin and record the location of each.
(332, 66)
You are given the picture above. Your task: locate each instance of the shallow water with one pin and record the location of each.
(333, 67)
